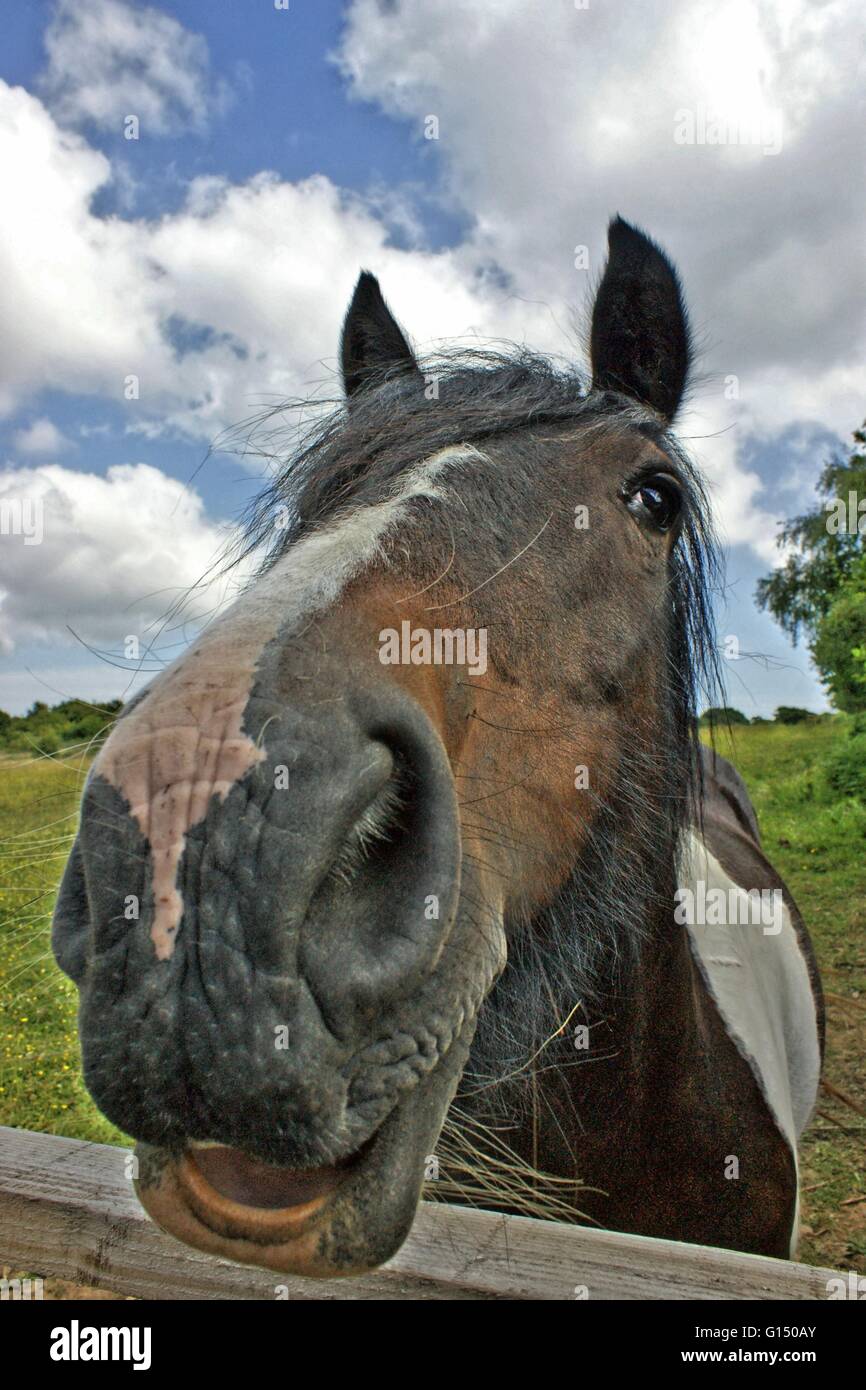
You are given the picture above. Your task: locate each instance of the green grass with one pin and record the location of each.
(815, 838)
(40, 1068)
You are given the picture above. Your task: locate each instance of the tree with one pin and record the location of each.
(819, 592)
(839, 647)
(793, 714)
(69, 723)
(723, 714)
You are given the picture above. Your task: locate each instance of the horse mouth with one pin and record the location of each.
(229, 1188)
(229, 1203)
(345, 1218)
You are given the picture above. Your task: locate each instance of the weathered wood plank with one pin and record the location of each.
(67, 1209)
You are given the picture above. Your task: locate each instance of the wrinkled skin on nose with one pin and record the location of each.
(261, 973)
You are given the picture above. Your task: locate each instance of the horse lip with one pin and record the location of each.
(238, 1197)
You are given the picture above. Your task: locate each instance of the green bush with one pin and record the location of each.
(69, 723)
(845, 767)
(723, 714)
(791, 714)
(838, 648)
(46, 740)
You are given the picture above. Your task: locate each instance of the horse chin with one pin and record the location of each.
(222, 1201)
(345, 1219)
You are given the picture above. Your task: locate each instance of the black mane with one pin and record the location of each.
(348, 457)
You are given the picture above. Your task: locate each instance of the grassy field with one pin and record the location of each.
(817, 841)
(40, 1079)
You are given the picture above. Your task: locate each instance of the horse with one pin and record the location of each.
(351, 882)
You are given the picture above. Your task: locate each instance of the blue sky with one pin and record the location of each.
(279, 151)
(287, 110)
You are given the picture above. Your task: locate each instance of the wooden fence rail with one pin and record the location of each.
(68, 1210)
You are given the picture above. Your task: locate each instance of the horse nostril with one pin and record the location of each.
(379, 829)
(380, 918)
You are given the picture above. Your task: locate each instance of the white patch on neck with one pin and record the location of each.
(760, 983)
(184, 743)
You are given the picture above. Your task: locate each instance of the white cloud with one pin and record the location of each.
(108, 59)
(232, 302)
(40, 437)
(107, 557)
(73, 294)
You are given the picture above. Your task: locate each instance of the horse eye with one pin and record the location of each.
(656, 501)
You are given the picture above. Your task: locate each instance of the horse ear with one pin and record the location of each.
(640, 343)
(372, 346)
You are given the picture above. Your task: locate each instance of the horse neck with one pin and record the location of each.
(598, 1082)
(642, 1010)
